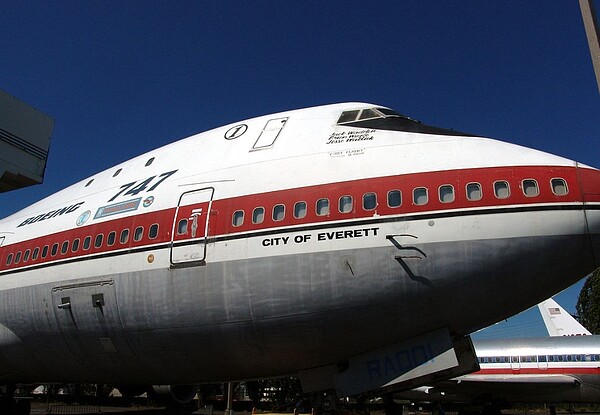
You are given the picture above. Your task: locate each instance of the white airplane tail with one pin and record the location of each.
(559, 322)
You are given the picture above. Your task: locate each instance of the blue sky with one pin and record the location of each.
(121, 78)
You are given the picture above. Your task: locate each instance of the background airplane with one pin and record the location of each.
(561, 368)
(559, 322)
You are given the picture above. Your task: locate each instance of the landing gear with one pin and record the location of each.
(11, 406)
(23, 407)
(391, 407)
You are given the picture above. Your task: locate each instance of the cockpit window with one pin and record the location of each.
(348, 116)
(386, 119)
(369, 113)
(355, 115)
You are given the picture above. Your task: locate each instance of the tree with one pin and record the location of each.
(588, 303)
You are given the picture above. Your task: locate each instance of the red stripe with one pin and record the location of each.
(222, 210)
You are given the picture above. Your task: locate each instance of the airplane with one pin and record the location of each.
(527, 370)
(559, 322)
(347, 244)
(548, 370)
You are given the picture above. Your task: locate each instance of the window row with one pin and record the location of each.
(541, 358)
(420, 197)
(77, 244)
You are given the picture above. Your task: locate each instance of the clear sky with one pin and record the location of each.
(124, 77)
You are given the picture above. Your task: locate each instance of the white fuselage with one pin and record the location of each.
(283, 243)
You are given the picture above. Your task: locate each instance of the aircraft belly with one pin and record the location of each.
(288, 309)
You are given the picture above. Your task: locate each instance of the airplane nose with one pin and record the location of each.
(589, 182)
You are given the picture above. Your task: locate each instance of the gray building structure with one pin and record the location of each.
(25, 136)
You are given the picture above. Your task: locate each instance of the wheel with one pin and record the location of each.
(7, 405)
(23, 407)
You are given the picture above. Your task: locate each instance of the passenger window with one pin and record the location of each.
(530, 188)
(138, 234)
(369, 201)
(559, 187)
(420, 196)
(9, 259)
(501, 189)
(54, 250)
(87, 243)
(345, 204)
(278, 212)
(323, 207)
(75, 246)
(153, 231)
(394, 198)
(18, 257)
(26, 255)
(36, 254)
(182, 227)
(111, 238)
(238, 218)
(64, 248)
(124, 236)
(446, 193)
(258, 215)
(300, 210)
(474, 192)
(45, 251)
(98, 241)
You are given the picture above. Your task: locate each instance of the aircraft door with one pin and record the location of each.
(514, 363)
(543, 362)
(87, 316)
(190, 228)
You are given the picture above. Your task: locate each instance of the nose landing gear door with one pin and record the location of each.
(190, 228)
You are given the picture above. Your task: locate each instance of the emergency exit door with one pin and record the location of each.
(190, 228)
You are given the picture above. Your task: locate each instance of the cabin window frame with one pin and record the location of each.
(469, 193)
(388, 197)
(417, 197)
(258, 215)
(553, 186)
